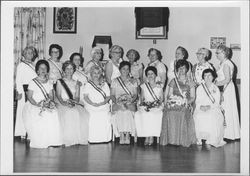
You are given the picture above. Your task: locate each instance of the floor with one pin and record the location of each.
(113, 157)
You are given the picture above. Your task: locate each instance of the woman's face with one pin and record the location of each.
(219, 54)
(178, 54)
(97, 55)
(69, 71)
(77, 60)
(124, 70)
(116, 54)
(182, 70)
(201, 54)
(54, 53)
(153, 56)
(131, 57)
(29, 55)
(151, 75)
(42, 70)
(95, 74)
(208, 77)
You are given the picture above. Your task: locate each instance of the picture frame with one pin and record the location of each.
(151, 22)
(235, 46)
(65, 20)
(216, 41)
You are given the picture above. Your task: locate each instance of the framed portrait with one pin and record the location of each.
(152, 22)
(216, 41)
(65, 20)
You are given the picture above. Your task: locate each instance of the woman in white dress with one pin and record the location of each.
(124, 96)
(79, 74)
(148, 118)
(112, 67)
(203, 57)
(25, 73)
(73, 117)
(208, 116)
(55, 52)
(229, 104)
(136, 67)
(40, 114)
(96, 96)
(96, 55)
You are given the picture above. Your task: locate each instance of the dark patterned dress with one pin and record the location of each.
(177, 122)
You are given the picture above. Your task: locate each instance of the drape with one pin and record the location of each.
(29, 30)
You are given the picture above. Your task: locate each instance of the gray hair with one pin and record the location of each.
(95, 67)
(116, 47)
(94, 49)
(34, 51)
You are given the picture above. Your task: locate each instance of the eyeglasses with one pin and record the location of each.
(218, 52)
(200, 54)
(116, 52)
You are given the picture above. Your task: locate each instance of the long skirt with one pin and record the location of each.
(209, 126)
(74, 125)
(232, 130)
(148, 123)
(43, 128)
(123, 121)
(99, 124)
(178, 127)
(19, 125)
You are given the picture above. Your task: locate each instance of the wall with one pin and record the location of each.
(190, 27)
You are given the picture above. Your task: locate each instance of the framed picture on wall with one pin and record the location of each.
(216, 41)
(65, 20)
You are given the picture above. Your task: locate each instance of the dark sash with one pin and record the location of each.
(65, 86)
(98, 89)
(45, 94)
(56, 66)
(151, 91)
(30, 65)
(124, 86)
(25, 89)
(208, 92)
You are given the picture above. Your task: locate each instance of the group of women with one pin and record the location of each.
(66, 104)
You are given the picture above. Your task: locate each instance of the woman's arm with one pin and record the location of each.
(141, 73)
(192, 95)
(59, 93)
(108, 72)
(31, 100)
(226, 71)
(86, 98)
(77, 94)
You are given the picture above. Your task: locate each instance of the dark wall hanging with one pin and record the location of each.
(65, 20)
(152, 22)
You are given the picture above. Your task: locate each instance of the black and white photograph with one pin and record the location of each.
(125, 88)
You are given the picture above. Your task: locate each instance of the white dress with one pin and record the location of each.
(55, 70)
(99, 119)
(149, 123)
(116, 72)
(23, 76)
(43, 128)
(74, 121)
(209, 124)
(229, 104)
(80, 76)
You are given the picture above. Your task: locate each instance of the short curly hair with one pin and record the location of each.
(184, 52)
(116, 47)
(181, 63)
(34, 51)
(67, 63)
(158, 53)
(40, 62)
(57, 47)
(137, 55)
(225, 50)
(208, 70)
(77, 54)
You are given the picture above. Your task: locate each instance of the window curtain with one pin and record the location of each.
(29, 30)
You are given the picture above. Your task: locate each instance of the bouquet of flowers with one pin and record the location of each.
(149, 105)
(124, 100)
(175, 101)
(47, 105)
